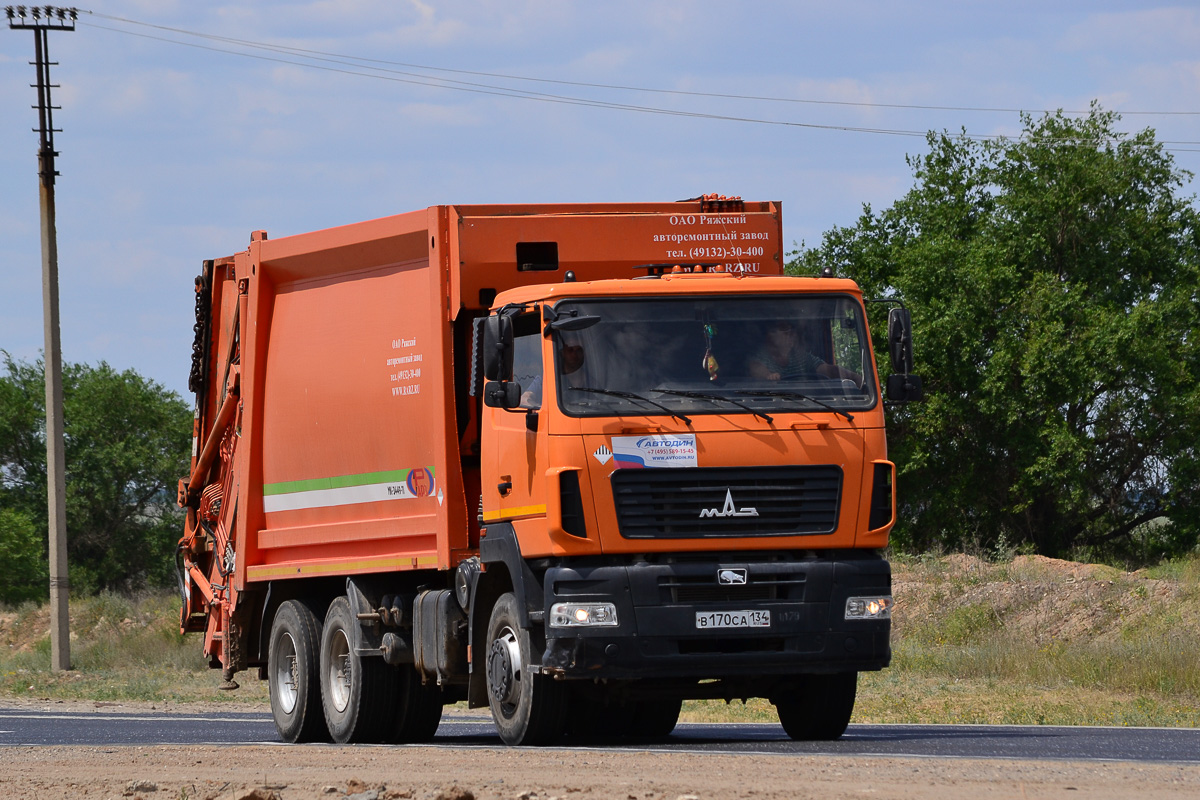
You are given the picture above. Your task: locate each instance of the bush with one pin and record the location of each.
(23, 569)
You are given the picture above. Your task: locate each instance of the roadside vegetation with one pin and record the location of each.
(122, 649)
(1052, 279)
(127, 441)
(1031, 640)
(1024, 640)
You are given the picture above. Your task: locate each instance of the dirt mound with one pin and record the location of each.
(21, 630)
(105, 616)
(1046, 599)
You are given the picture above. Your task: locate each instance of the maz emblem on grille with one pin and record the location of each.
(727, 576)
(729, 510)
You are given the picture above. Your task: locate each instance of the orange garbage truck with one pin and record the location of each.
(577, 463)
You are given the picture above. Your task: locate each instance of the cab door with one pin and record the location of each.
(514, 440)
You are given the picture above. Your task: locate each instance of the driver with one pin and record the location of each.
(786, 355)
(570, 356)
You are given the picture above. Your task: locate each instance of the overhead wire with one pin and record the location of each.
(353, 65)
(442, 83)
(621, 87)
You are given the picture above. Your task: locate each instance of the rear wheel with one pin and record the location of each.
(358, 693)
(528, 708)
(818, 707)
(292, 674)
(418, 708)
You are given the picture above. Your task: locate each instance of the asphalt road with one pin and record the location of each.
(29, 727)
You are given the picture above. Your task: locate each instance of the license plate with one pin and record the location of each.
(733, 619)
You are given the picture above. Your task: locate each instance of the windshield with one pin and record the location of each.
(704, 355)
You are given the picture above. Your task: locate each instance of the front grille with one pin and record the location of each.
(694, 589)
(729, 644)
(720, 594)
(709, 502)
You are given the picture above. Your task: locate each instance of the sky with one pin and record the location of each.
(186, 125)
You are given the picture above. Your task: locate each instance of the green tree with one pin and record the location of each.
(1054, 281)
(25, 574)
(127, 443)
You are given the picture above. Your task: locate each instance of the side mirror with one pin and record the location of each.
(502, 394)
(899, 330)
(497, 349)
(905, 388)
(902, 387)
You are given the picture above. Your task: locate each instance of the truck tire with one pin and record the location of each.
(528, 708)
(597, 717)
(655, 719)
(358, 693)
(293, 670)
(818, 707)
(418, 708)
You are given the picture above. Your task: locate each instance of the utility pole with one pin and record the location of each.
(41, 20)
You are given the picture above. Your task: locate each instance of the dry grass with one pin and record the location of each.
(1040, 641)
(121, 649)
(1030, 641)
(900, 696)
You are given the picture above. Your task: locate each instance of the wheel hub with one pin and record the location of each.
(286, 674)
(504, 668)
(340, 673)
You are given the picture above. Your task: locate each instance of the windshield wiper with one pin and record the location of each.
(721, 397)
(796, 396)
(631, 396)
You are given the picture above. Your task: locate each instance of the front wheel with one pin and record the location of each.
(655, 719)
(818, 707)
(599, 715)
(596, 716)
(528, 708)
(292, 674)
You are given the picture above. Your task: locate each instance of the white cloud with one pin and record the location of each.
(438, 114)
(439, 32)
(603, 61)
(153, 8)
(1159, 86)
(1152, 30)
(24, 225)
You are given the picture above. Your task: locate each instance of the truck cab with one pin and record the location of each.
(688, 476)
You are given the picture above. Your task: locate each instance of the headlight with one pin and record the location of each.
(879, 607)
(569, 615)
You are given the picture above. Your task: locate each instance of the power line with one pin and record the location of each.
(353, 66)
(503, 91)
(342, 58)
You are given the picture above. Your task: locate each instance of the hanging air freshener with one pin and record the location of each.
(710, 361)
